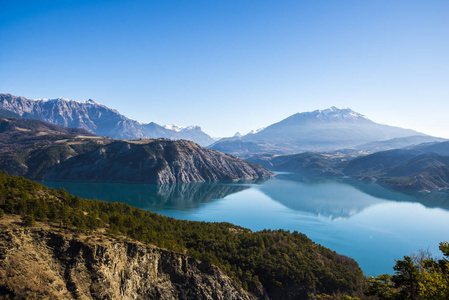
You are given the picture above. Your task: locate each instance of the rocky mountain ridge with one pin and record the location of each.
(95, 117)
(155, 161)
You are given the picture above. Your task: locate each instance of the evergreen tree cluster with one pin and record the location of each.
(419, 277)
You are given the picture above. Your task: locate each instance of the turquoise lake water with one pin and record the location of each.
(369, 223)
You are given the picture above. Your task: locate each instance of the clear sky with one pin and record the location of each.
(233, 65)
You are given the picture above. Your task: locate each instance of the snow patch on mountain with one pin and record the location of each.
(173, 127)
(335, 113)
(254, 131)
(178, 128)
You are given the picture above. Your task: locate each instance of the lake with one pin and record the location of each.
(369, 223)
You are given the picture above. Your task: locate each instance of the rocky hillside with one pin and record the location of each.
(43, 151)
(96, 118)
(42, 263)
(156, 161)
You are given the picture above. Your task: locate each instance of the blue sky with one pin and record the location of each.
(233, 65)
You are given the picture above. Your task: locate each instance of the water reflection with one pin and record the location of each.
(431, 200)
(317, 195)
(336, 198)
(180, 196)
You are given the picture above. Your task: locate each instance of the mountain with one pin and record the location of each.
(398, 143)
(321, 130)
(407, 170)
(440, 148)
(155, 161)
(39, 150)
(96, 118)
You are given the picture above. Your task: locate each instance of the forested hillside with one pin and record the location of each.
(277, 264)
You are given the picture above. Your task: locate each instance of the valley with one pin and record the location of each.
(333, 175)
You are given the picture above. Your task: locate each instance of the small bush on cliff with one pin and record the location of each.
(29, 220)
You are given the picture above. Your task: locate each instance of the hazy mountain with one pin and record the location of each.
(96, 118)
(440, 148)
(320, 130)
(398, 143)
(378, 162)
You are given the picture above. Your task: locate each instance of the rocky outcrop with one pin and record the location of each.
(96, 118)
(40, 263)
(156, 161)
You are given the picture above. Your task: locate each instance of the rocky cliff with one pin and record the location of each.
(41, 263)
(96, 118)
(156, 161)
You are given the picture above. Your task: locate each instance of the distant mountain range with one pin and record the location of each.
(97, 118)
(317, 131)
(320, 130)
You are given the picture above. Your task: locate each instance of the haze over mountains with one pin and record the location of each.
(320, 130)
(96, 118)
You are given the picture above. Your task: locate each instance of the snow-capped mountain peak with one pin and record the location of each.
(254, 131)
(336, 113)
(173, 127)
(192, 127)
(178, 128)
(90, 101)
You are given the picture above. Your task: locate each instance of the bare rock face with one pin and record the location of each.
(39, 263)
(158, 162)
